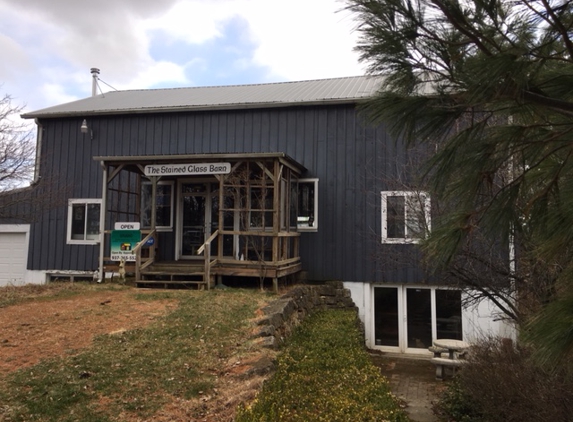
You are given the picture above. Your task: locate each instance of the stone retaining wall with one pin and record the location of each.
(282, 315)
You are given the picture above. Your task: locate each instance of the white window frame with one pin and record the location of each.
(82, 201)
(303, 226)
(416, 196)
(402, 290)
(172, 205)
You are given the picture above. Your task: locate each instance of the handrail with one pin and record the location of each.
(208, 241)
(144, 241)
(205, 248)
(137, 251)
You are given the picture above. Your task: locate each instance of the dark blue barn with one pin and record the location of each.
(269, 182)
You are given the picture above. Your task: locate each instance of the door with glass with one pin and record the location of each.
(386, 317)
(195, 218)
(408, 319)
(418, 318)
(199, 217)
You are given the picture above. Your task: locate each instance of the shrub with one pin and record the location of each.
(502, 383)
(456, 405)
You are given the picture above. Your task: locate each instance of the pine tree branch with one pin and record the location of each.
(555, 22)
(460, 27)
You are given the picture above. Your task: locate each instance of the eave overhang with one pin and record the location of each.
(144, 160)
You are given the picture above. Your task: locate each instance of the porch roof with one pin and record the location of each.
(196, 158)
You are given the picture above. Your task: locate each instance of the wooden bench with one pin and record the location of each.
(443, 363)
(56, 275)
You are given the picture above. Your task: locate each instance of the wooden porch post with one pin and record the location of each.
(276, 206)
(221, 217)
(103, 212)
(153, 201)
(154, 180)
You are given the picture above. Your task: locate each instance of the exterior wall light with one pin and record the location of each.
(85, 129)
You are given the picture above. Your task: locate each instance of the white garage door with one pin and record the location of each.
(13, 254)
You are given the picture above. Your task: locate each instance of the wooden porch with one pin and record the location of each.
(192, 274)
(208, 272)
(248, 221)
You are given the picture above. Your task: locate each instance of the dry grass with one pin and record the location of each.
(189, 364)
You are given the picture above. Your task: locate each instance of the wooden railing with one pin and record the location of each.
(149, 260)
(205, 249)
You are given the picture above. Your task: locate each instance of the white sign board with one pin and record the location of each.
(187, 169)
(127, 226)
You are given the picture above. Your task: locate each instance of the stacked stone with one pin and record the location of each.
(281, 316)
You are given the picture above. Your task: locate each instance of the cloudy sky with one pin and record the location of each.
(49, 46)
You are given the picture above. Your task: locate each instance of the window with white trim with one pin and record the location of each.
(83, 221)
(411, 317)
(307, 201)
(405, 216)
(163, 205)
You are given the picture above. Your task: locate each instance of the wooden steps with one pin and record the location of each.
(176, 275)
(166, 284)
(185, 274)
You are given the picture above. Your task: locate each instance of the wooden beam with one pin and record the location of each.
(266, 170)
(276, 214)
(154, 180)
(115, 172)
(221, 216)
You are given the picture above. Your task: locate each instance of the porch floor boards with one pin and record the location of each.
(182, 273)
(174, 268)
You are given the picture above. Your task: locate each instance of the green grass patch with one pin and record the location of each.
(325, 374)
(136, 372)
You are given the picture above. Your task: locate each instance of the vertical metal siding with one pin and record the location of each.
(351, 159)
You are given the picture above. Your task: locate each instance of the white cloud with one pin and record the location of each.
(53, 44)
(156, 74)
(57, 93)
(71, 37)
(303, 39)
(192, 21)
(14, 60)
(296, 39)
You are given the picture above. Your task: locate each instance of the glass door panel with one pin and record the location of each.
(193, 219)
(419, 317)
(386, 316)
(449, 314)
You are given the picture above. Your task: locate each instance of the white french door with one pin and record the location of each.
(407, 319)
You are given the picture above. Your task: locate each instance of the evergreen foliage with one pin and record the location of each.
(489, 85)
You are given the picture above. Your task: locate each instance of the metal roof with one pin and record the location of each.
(336, 90)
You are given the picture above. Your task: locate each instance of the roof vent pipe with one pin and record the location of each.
(95, 72)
